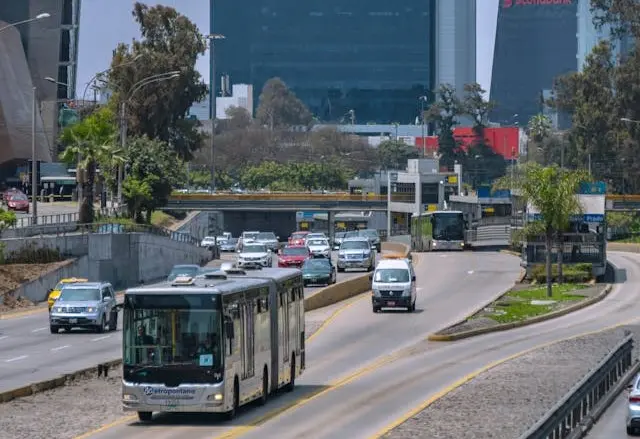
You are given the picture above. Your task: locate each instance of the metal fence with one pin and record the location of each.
(60, 218)
(74, 229)
(564, 421)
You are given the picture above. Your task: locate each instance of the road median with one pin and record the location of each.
(527, 307)
(99, 370)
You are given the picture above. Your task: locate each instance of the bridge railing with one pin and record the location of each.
(297, 196)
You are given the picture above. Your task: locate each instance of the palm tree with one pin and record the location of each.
(88, 143)
(553, 192)
(539, 129)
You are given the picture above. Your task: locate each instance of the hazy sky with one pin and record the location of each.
(105, 23)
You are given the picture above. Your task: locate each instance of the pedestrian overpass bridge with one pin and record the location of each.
(338, 202)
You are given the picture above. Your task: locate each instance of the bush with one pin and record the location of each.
(577, 273)
(32, 254)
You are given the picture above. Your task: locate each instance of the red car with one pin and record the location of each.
(298, 238)
(17, 201)
(293, 256)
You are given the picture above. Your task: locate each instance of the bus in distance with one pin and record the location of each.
(438, 230)
(207, 344)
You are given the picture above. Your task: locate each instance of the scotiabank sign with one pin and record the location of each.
(509, 3)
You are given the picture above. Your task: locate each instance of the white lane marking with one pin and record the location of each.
(100, 338)
(39, 329)
(2, 337)
(443, 256)
(11, 360)
(470, 272)
(61, 347)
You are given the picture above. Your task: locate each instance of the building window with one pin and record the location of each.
(403, 192)
(430, 193)
(384, 190)
(65, 45)
(67, 13)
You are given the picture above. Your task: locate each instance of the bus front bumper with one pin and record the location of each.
(447, 245)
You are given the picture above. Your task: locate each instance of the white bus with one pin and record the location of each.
(211, 343)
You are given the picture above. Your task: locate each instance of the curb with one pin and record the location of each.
(511, 252)
(53, 383)
(513, 325)
(603, 405)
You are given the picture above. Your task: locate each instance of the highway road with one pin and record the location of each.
(30, 353)
(450, 286)
(368, 370)
(612, 424)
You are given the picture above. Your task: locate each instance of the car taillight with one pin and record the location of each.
(634, 399)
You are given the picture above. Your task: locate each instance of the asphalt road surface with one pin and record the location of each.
(612, 424)
(30, 353)
(364, 389)
(450, 285)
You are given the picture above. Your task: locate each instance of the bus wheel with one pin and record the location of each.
(292, 382)
(144, 416)
(265, 386)
(236, 401)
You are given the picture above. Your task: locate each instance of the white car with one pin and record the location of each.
(314, 235)
(208, 241)
(319, 247)
(254, 255)
(633, 410)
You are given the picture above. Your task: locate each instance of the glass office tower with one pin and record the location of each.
(375, 58)
(535, 43)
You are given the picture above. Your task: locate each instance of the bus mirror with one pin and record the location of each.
(371, 276)
(413, 278)
(229, 328)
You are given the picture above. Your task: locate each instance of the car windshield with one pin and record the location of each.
(316, 264)
(18, 197)
(295, 251)
(369, 233)
(254, 248)
(183, 271)
(267, 236)
(354, 245)
(351, 235)
(250, 235)
(79, 295)
(391, 275)
(158, 340)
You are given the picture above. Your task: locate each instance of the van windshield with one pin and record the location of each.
(391, 275)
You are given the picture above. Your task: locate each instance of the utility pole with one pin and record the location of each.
(123, 143)
(34, 159)
(212, 105)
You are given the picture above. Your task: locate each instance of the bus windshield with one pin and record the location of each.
(170, 339)
(448, 227)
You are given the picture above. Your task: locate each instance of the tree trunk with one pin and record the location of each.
(560, 256)
(548, 247)
(86, 204)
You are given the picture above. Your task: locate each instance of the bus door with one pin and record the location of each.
(284, 306)
(248, 339)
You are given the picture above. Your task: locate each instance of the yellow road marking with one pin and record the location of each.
(336, 314)
(106, 427)
(422, 406)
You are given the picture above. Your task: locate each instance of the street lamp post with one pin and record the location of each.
(29, 20)
(212, 104)
(423, 100)
(34, 158)
(123, 117)
(95, 77)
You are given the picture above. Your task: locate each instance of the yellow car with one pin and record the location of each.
(54, 293)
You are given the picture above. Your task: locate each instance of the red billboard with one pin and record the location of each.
(504, 140)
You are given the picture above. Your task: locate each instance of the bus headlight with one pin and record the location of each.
(129, 398)
(215, 397)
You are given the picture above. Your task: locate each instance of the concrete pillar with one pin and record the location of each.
(330, 226)
(441, 195)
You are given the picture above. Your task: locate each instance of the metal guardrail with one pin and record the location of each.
(564, 421)
(74, 229)
(59, 218)
(297, 196)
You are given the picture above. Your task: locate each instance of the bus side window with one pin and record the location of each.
(230, 333)
(292, 293)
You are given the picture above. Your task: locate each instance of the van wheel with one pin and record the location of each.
(265, 387)
(113, 321)
(54, 329)
(292, 381)
(145, 416)
(412, 307)
(236, 401)
(340, 270)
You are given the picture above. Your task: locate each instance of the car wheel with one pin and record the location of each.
(54, 329)
(113, 321)
(101, 327)
(630, 431)
(67, 328)
(376, 309)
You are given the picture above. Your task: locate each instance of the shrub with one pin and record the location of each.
(577, 273)
(32, 254)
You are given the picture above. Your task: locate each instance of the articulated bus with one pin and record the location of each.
(211, 343)
(438, 230)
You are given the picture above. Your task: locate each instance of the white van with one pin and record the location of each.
(394, 285)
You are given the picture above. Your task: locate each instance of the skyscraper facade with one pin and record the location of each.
(535, 43)
(376, 58)
(49, 47)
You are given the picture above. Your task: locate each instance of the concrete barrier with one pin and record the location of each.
(395, 247)
(623, 247)
(60, 381)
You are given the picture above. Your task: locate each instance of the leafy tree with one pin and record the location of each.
(295, 176)
(238, 118)
(622, 15)
(154, 162)
(539, 131)
(7, 218)
(444, 112)
(88, 143)
(137, 194)
(170, 42)
(553, 191)
(393, 154)
(280, 108)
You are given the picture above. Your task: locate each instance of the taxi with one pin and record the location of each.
(54, 293)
